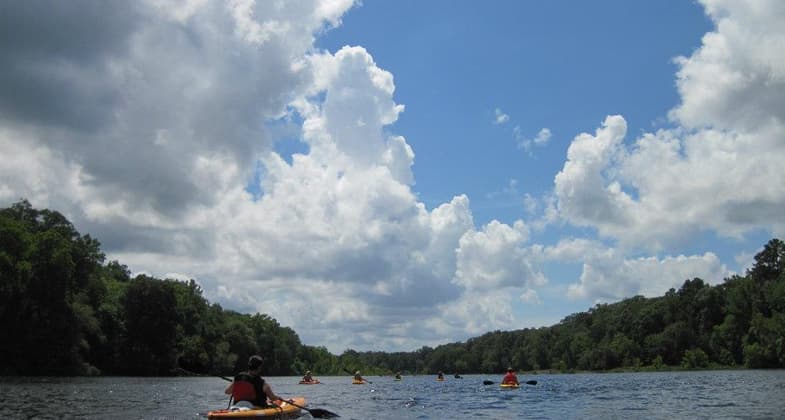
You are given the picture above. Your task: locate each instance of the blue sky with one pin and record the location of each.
(386, 175)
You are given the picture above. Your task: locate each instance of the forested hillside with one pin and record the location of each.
(65, 310)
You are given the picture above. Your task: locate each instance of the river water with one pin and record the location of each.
(745, 394)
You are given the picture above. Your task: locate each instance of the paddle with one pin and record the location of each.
(318, 413)
(487, 382)
(350, 373)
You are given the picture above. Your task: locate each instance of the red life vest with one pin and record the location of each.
(510, 378)
(249, 388)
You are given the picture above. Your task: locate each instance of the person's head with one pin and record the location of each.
(307, 372)
(255, 362)
(357, 373)
(510, 369)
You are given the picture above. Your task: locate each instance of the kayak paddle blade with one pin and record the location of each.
(320, 413)
(317, 413)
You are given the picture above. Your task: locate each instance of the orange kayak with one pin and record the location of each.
(284, 410)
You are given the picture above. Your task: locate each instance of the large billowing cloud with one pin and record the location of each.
(144, 123)
(736, 79)
(158, 107)
(720, 169)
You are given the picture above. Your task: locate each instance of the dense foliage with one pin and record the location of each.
(64, 310)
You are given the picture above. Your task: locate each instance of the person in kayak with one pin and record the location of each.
(510, 378)
(398, 376)
(358, 377)
(249, 386)
(308, 377)
(440, 376)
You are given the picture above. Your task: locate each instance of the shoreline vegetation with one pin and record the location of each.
(66, 311)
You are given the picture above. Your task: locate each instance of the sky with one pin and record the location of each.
(389, 175)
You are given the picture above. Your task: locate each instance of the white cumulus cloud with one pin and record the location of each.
(719, 170)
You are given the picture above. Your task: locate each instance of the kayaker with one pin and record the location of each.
(308, 377)
(249, 387)
(398, 376)
(358, 377)
(440, 376)
(510, 378)
(457, 376)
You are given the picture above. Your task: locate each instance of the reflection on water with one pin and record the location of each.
(716, 394)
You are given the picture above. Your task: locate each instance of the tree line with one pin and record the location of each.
(65, 310)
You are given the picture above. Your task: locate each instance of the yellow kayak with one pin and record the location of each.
(284, 409)
(513, 386)
(356, 382)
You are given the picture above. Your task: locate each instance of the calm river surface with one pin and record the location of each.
(693, 395)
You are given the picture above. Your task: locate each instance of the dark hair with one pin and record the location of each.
(255, 361)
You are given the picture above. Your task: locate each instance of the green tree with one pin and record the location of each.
(150, 313)
(695, 358)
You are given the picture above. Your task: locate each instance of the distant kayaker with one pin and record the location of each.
(398, 376)
(358, 377)
(249, 388)
(510, 378)
(308, 377)
(440, 376)
(457, 376)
